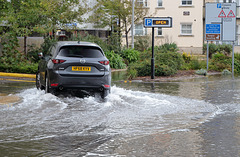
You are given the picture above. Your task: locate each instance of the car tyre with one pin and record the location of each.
(105, 93)
(47, 85)
(38, 83)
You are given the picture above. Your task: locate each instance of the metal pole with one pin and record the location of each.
(152, 60)
(233, 60)
(133, 24)
(207, 55)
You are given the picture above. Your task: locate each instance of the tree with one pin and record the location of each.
(106, 12)
(27, 16)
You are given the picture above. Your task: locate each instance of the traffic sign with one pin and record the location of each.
(150, 22)
(222, 14)
(220, 19)
(231, 14)
(212, 37)
(213, 28)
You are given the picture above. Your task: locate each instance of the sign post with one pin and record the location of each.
(152, 60)
(220, 24)
(159, 22)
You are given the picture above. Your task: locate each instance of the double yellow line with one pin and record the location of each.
(18, 75)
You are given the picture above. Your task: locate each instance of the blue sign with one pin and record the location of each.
(219, 5)
(148, 22)
(213, 29)
(157, 22)
(71, 24)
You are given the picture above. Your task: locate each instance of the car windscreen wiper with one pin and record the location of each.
(80, 56)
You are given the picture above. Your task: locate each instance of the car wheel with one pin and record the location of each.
(104, 93)
(46, 85)
(38, 80)
(38, 83)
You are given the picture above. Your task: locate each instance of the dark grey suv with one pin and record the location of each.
(79, 67)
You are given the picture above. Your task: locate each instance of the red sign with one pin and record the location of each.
(231, 14)
(222, 14)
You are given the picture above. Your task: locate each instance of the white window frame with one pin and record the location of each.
(225, 1)
(186, 28)
(187, 2)
(143, 3)
(160, 3)
(140, 28)
(159, 31)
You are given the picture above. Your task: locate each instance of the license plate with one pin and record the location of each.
(76, 68)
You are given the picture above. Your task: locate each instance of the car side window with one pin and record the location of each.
(53, 50)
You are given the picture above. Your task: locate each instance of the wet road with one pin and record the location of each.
(197, 117)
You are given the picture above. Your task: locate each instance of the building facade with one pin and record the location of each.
(187, 22)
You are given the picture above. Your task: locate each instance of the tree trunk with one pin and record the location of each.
(126, 33)
(25, 45)
(127, 39)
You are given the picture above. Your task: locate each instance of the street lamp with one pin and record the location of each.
(132, 24)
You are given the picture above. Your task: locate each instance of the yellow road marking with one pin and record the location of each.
(17, 75)
(15, 80)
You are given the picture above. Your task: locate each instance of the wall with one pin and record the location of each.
(173, 8)
(30, 41)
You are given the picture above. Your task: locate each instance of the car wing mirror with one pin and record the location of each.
(40, 55)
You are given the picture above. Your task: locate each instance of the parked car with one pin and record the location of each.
(73, 66)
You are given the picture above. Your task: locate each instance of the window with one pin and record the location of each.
(186, 29)
(186, 2)
(140, 30)
(160, 3)
(80, 51)
(226, 1)
(142, 3)
(159, 33)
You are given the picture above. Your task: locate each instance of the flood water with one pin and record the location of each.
(197, 117)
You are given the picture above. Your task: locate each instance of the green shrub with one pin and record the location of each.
(32, 54)
(201, 72)
(143, 68)
(186, 57)
(166, 63)
(116, 61)
(236, 66)
(145, 55)
(130, 55)
(171, 59)
(20, 68)
(142, 43)
(132, 73)
(164, 70)
(167, 47)
(225, 49)
(219, 62)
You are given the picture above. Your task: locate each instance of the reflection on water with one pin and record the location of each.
(14, 87)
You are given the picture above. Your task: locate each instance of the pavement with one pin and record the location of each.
(11, 99)
(17, 77)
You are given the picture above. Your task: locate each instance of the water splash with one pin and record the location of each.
(125, 112)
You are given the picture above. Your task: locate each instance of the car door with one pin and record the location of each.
(43, 64)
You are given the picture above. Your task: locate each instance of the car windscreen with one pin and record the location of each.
(80, 51)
